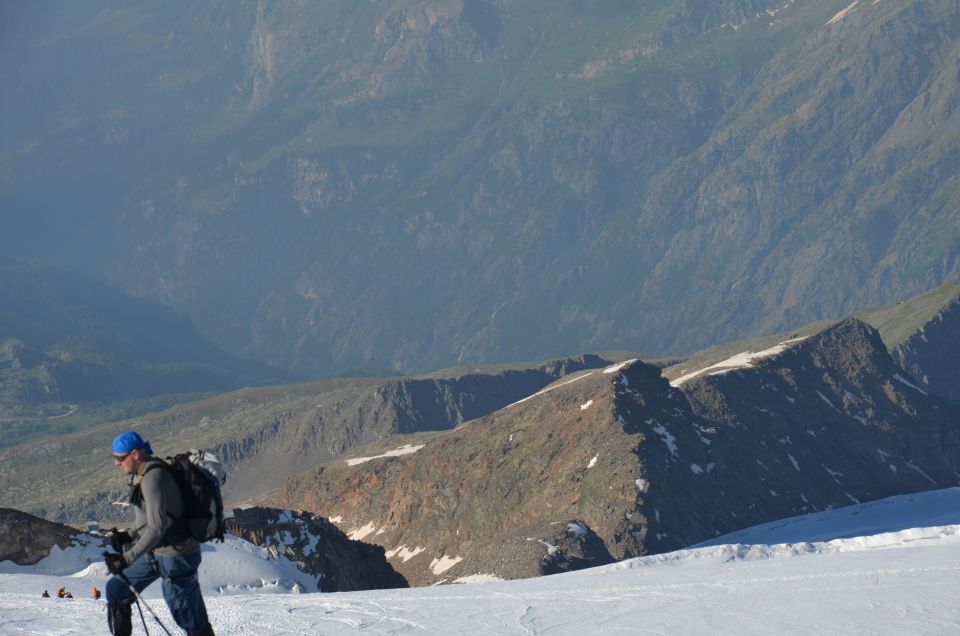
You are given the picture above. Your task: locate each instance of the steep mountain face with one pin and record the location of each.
(617, 463)
(921, 334)
(493, 496)
(829, 421)
(409, 185)
(847, 135)
(68, 339)
(25, 539)
(265, 435)
(319, 547)
(930, 355)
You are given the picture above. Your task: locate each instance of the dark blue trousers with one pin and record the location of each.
(181, 589)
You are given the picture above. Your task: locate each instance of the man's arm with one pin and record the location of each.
(155, 516)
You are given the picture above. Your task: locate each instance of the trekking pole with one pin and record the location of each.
(142, 619)
(139, 599)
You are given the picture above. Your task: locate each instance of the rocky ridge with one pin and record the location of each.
(624, 462)
(265, 435)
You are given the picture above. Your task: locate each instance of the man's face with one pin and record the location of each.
(127, 461)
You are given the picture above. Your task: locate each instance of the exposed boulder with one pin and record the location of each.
(25, 539)
(320, 548)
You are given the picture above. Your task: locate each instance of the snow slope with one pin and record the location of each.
(920, 510)
(900, 581)
(233, 567)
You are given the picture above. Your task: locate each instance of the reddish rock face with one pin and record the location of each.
(499, 489)
(610, 464)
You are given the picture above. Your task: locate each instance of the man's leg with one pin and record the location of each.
(181, 591)
(119, 597)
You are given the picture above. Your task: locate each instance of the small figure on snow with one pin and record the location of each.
(45, 594)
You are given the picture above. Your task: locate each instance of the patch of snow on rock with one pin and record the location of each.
(406, 449)
(404, 552)
(665, 435)
(478, 578)
(552, 550)
(576, 529)
(903, 380)
(618, 367)
(842, 14)
(550, 388)
(360, 533)
(913, 466)
(827, 400)
(742, 360)
(794, 462)
(444, 563)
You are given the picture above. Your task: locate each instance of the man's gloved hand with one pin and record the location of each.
(115, 562)
(119, 538)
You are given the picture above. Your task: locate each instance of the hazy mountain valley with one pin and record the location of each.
(405, 186)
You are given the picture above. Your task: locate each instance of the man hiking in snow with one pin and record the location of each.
(158, 547)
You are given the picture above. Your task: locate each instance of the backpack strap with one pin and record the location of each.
(135, 496)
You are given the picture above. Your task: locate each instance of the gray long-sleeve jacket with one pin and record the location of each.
(160, 505)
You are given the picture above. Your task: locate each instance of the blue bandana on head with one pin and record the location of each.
(129, 441)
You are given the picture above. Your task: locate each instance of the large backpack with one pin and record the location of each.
(199, 475)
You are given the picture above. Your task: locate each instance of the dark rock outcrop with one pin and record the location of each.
(932, 354)
(320, 548)
(829, 422)
(25, 539)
